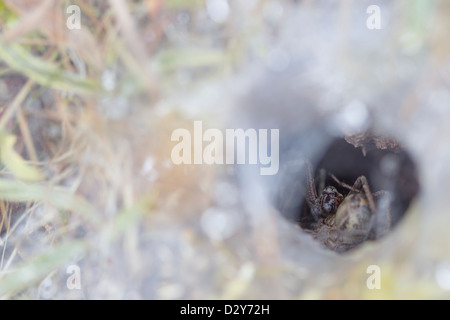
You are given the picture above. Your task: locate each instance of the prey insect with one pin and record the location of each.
(342, 223)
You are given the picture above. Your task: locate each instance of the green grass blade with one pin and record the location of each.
(43, 72)
(31, 272)
(17, 191)
(171, 60)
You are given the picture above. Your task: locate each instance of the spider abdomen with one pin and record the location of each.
(353, 214)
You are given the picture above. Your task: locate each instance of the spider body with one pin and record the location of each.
(326, 203)
(342, 223)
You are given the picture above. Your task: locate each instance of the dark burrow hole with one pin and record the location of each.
(390, 170)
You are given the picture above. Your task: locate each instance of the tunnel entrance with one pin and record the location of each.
(388, 168)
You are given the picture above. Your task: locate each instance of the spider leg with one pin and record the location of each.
(311, 193)
(343, 184)
(361, 182)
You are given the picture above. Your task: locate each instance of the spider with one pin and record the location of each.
(342, 223)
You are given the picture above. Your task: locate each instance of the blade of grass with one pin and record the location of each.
(17, 191)
(31, 272)
(18, 100)
(128, 217)
(7, 16)
(26, 134)
(14, 162)
(134, 42)
(171, 60)
(183, 4)
(43, 72)
(28, 21)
